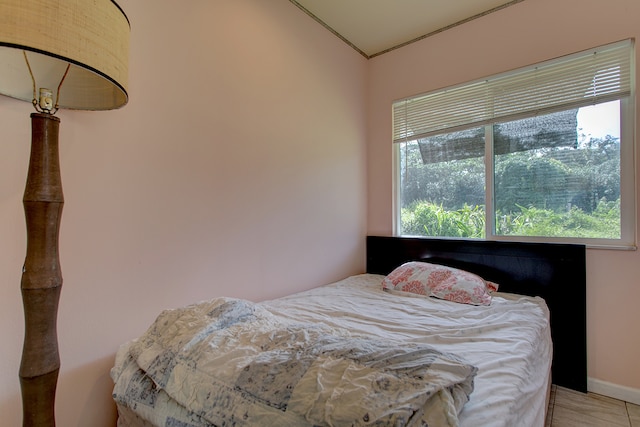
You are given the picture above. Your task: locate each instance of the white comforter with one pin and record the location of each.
(508, 342)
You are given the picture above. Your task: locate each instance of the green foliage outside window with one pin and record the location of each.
(428, 219)
(549, 192)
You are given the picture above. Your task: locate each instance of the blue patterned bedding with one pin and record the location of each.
(230, 362)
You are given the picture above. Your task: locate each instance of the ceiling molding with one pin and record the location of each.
(326, 25)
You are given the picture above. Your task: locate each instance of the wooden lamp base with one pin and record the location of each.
(41, 276)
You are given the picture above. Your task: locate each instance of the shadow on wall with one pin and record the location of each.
(91, 388)
(13, 404)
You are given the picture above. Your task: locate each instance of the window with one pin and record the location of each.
(544, 153)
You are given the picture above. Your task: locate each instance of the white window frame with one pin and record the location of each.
(628, 202)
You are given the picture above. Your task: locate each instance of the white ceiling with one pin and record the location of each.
(373, 27)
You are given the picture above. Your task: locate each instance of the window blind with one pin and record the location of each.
(590, 77)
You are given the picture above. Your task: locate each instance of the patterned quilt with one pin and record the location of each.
(230, 362)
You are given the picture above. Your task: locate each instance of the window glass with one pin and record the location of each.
(443, 185)
(556, 175)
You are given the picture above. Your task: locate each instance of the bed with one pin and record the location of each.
(368, 351)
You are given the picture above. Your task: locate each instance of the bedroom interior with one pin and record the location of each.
(168, 376)
(204, 205)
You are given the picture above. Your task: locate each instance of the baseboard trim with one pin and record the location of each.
(616, 391)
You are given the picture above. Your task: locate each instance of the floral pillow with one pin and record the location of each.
(492, 286)
(439, 281)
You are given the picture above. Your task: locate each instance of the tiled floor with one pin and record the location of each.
(568, 408)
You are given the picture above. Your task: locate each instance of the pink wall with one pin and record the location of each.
(526, 33)
(237, 168)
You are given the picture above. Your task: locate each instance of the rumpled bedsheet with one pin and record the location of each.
(231, 362)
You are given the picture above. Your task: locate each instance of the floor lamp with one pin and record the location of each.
(55, 54)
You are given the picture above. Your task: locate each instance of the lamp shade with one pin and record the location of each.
(91, 36)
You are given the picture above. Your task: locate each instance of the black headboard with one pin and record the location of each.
(555, 272)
